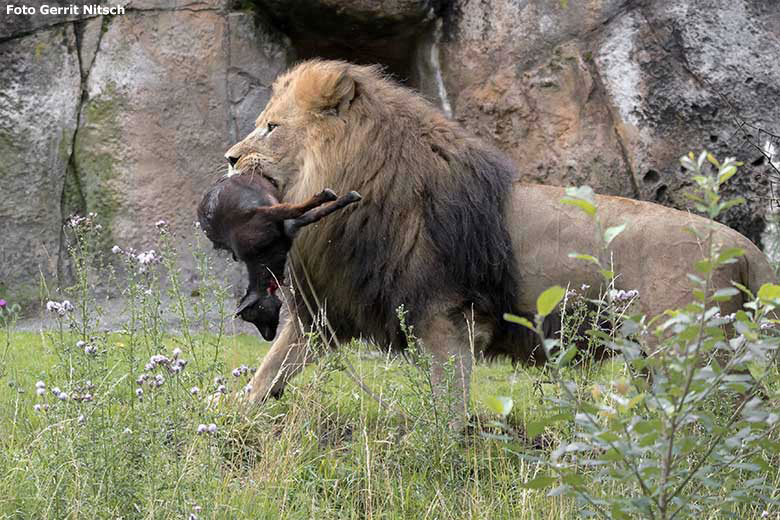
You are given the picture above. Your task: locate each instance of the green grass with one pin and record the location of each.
(325, 450)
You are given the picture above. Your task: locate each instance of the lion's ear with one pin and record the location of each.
(325, 89)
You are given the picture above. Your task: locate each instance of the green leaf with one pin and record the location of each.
(730, 253)
(584, 205)
(567, 356)
(730, 203)
(713, 161)
(726, 174)
(703, 266)
(769, 293)
(535, 428)
(643, 427)
(499, 404)
(549, 299)
(635, 401)
(724, 295)
(612, 232)
(540, 482)
(519, 320)
(589, 258)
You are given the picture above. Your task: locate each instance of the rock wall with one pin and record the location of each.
(129, 115)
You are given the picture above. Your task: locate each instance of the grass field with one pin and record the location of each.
(325, 450)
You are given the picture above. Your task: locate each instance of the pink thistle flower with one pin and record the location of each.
(3, 303)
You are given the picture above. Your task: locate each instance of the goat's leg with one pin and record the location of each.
(320, 212)
(285, 210)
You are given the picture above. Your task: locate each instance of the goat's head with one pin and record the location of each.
(243, 215)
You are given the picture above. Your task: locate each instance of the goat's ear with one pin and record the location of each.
(325, 88)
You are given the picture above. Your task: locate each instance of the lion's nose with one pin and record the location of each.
(232, 159)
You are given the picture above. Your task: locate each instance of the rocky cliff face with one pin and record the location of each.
(129, 115)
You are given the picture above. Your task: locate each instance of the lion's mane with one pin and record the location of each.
(430, 233)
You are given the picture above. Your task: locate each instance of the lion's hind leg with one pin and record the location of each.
(450, 341)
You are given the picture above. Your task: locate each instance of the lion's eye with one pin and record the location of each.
(271, 127)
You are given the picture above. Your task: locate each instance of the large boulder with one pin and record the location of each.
(134, 127)
(38, 118)
(690, 75)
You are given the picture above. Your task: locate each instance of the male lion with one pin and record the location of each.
(444, 228)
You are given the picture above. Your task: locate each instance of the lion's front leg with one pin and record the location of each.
(451, 362)
(289, 354)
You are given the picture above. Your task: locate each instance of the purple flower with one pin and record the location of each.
(60, 308)
(194, 390)
(177, 366)
(212, 428)
(62, 396)
(40, 391)
(90, 349)
(221, 389)
(159, 359)
(146, 258)
(3, 303)
(139, 392)
(40, 384)
(81, 419)
(176, 352)
(202, 428)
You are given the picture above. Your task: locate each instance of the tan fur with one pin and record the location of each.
(429, 191)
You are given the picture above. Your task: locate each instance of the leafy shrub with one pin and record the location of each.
(691, 429)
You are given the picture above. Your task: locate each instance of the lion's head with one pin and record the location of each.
(430, 232)
(309, 104)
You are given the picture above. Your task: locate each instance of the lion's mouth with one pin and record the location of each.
(252, 164)
(249, 163)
